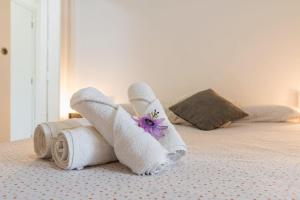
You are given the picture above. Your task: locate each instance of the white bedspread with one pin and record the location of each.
(245, 161)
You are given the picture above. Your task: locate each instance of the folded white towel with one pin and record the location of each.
(81, 147)
(45, 132)
(133, 147)
(144, 102)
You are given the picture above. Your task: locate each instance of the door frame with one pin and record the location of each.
(48, 48)
(49, 63)
(53, 58)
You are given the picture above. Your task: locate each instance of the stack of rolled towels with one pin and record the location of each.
(147, 142)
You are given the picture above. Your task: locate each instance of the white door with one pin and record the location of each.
(22, 71)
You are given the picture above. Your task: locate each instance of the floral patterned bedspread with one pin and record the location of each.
(244, 161)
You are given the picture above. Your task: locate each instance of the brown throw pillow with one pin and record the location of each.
(207, 110)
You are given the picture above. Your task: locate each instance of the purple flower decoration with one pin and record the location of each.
(151, 124)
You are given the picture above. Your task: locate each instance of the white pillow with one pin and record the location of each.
(270, 113)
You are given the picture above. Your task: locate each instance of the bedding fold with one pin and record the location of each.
(144, 102)
(45, 133)
(80, 147)
(133, 147)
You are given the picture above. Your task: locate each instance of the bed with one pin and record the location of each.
(243, 161)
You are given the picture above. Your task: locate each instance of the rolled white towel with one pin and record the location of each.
(144, 102)
(133, 147)
(81, 147)
(45, 132)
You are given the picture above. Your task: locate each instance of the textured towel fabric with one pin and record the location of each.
(81, 147)
(132, 145)
(144, 102)
(45, 133)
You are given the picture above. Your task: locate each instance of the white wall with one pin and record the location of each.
(248, 51)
